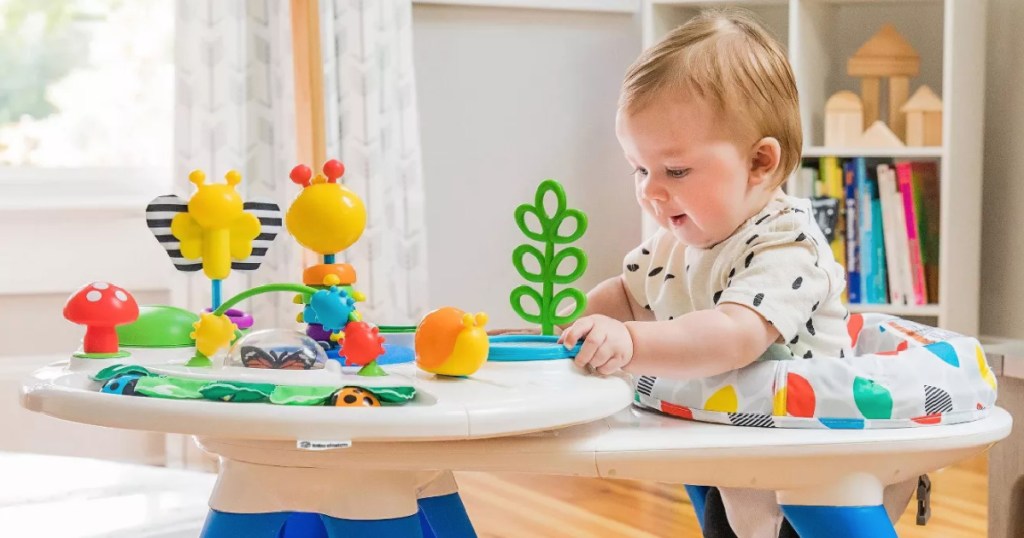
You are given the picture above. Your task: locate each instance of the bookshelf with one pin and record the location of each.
(902, 153)
(949, 35)
(913, 311)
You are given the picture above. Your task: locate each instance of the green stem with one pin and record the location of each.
(546, 316)
(396, 329)
(266, 288)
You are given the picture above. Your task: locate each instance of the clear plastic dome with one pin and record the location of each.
(277, 349)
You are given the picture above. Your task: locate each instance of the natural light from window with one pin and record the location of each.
(88, 87)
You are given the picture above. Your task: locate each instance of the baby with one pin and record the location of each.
(738, 271)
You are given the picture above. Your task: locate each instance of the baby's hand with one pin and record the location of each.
(607, 347)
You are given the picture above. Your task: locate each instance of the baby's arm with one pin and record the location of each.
(611, 298)
(733, 334)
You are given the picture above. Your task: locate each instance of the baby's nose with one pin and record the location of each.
(652, 189)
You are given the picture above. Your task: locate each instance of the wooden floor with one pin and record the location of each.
(526, 506)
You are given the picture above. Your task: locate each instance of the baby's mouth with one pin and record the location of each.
(678, 220)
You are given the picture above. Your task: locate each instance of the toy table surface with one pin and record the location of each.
(499, 399)
(264, 473)
(817, 467)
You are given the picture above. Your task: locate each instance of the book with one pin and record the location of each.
(897, 262)
(831, 175)
(879, 279)
(925, 176)
(853, 287)
(904, 176)
(873, 279)
(802, 183)
(887, 233)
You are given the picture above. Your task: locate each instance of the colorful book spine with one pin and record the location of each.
(832, 178)
(878, 279)
(904, 175)
(895, 238)
(902, 241)
(853, 287)
(926, 202)
(802, 184)
(872, 247)
(887, 233)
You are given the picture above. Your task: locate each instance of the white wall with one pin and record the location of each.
(33, 324)
(1002, 263)
(508, 98)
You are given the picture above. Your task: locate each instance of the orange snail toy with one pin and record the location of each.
(451, 342)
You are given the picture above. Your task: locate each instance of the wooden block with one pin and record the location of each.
(899, 89)
(869, 97)
(844, 119)
(915, 131)
(886, 54)
(879, 136)
(924, 118)
(932, 135)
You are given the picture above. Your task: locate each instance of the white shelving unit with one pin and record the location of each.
(949, 35)
(902, 153)
(915, 311)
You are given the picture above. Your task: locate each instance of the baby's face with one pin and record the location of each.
(691, 171)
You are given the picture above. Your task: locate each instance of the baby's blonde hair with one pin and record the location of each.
(728, 59)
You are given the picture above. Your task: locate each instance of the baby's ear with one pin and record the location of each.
(765, 156)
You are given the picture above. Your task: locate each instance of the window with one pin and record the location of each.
(86, 100)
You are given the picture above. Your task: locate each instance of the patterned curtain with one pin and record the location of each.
(235, 108)
(372, 126)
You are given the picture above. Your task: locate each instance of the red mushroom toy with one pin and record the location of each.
(101, 306)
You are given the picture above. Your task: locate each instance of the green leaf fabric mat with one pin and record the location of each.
(183, 388)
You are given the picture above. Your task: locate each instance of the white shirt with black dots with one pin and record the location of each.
(778, 263)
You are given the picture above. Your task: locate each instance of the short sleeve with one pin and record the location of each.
(639, 263)
(779, 276)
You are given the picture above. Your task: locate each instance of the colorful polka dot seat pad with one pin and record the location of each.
(903, 374)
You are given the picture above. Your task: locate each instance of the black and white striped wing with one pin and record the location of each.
(159, 213)
(269, 215)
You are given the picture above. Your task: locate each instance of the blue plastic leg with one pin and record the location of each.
(840, 521)
(698, 496)
(304, 525)
(228, 525)
(406, 527)
(445, 516)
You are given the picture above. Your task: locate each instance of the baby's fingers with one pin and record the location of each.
(589, 349)
(579, 330)
(603, 355)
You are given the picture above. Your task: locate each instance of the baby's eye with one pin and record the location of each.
(640, 172)
(677, 172)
